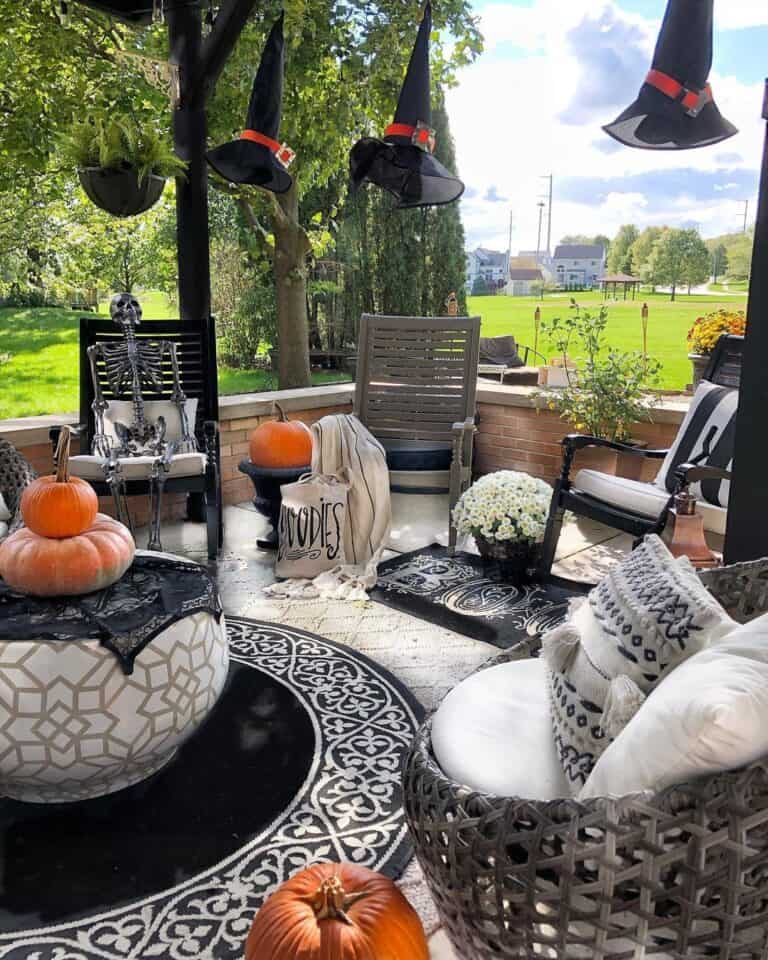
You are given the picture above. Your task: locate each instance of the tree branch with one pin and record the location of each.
(219, 44)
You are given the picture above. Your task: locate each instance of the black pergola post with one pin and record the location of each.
(747, 531)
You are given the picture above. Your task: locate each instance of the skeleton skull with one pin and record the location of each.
(125, 308)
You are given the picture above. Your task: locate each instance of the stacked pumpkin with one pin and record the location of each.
(67, 547)
(337, 911)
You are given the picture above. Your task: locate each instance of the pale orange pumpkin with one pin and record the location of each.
(48, 567)
(281, 443)
(59, 505)
(335, 911)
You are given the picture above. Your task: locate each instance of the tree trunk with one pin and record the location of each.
(674, 289)
(291, 250)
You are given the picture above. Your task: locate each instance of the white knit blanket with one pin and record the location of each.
(341, 446)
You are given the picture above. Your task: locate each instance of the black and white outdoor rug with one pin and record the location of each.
(467, 594)
(299, 762)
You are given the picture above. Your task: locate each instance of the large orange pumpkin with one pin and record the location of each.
(337, 911)
(281, 443)
(59, 505)
(47, 567)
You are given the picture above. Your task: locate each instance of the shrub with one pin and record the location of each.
(610, 392)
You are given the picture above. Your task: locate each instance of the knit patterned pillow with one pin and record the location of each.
(649, 614)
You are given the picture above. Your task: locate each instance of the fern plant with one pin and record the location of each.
(118, 142)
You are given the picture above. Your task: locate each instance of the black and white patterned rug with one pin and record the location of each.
(468, 595)
(300, 762)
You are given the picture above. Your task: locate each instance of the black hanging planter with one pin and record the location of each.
(120, 192)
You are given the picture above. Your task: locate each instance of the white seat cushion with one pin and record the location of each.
(137, 468)
(493, 733)
(647, 499)
(3, 529)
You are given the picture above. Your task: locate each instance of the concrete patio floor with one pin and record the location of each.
(429, 659)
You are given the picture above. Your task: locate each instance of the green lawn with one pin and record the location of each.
(668, 323)
(42, 373)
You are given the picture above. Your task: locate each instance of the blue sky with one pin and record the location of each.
(552, 73)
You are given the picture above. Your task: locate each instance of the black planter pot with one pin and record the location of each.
(268, 499)
(119, 191)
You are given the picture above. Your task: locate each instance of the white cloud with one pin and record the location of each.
(738, 14)
(517, 118)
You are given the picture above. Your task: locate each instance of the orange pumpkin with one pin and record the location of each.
(47, 567)
(337, 911)
(59, 505)
(281, 443)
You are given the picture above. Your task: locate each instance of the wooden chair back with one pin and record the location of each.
(197, 367)
(416, 376)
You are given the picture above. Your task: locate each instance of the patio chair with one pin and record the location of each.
(500, 357)
(415, 392)
(198, 475)
(640, 508)
(677, 873)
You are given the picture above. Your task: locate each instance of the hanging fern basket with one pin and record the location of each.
(120, 192)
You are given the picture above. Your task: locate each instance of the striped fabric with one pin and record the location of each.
(706, 438)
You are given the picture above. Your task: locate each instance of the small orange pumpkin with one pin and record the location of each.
(281, 443)
(69, 566)
(59, 505)
(335, 911)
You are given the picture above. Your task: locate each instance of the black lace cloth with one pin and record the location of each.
(154, 593)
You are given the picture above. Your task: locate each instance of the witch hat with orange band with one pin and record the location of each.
(258, 157)
(675, 109)
(402, 162)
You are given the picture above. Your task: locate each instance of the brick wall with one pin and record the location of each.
(512, 434)
(522, 438)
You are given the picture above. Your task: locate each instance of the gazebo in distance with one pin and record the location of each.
(617, 280)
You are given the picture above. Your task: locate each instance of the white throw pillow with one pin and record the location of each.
(647, 615)
(5, 513)
(121, 411)
(708, 715)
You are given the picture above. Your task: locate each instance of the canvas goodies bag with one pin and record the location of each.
(313, 516)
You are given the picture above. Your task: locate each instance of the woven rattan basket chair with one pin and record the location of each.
(680, 874)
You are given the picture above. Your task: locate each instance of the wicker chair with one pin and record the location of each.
(682, 874)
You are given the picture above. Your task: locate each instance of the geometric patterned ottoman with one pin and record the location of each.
(73, 725)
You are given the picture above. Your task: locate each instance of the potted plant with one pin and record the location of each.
(612, 392)
(704, 334)
(506, 512)
(122, 164)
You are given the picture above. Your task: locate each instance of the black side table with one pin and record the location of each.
(267, 482)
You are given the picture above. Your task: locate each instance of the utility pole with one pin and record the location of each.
(550, 177)
(509, 242)
(541, 205)
(746, 215)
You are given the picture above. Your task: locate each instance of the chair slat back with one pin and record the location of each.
(416, 376)
(725, 364)
(196, 377)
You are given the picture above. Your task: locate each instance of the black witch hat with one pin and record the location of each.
(258, 157)
(675, 109)
(402, 162)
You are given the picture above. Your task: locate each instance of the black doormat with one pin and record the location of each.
(300, 762)
(468, 595)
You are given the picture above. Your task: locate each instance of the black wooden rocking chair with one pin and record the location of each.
(201, 485)
(631, 506)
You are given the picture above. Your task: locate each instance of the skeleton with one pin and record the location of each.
(130, 367)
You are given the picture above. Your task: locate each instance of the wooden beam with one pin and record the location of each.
(747, 531)
(220, 42)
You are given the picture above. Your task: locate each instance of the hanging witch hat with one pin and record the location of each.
(258, 157)
(402, 162)
(675, 109)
